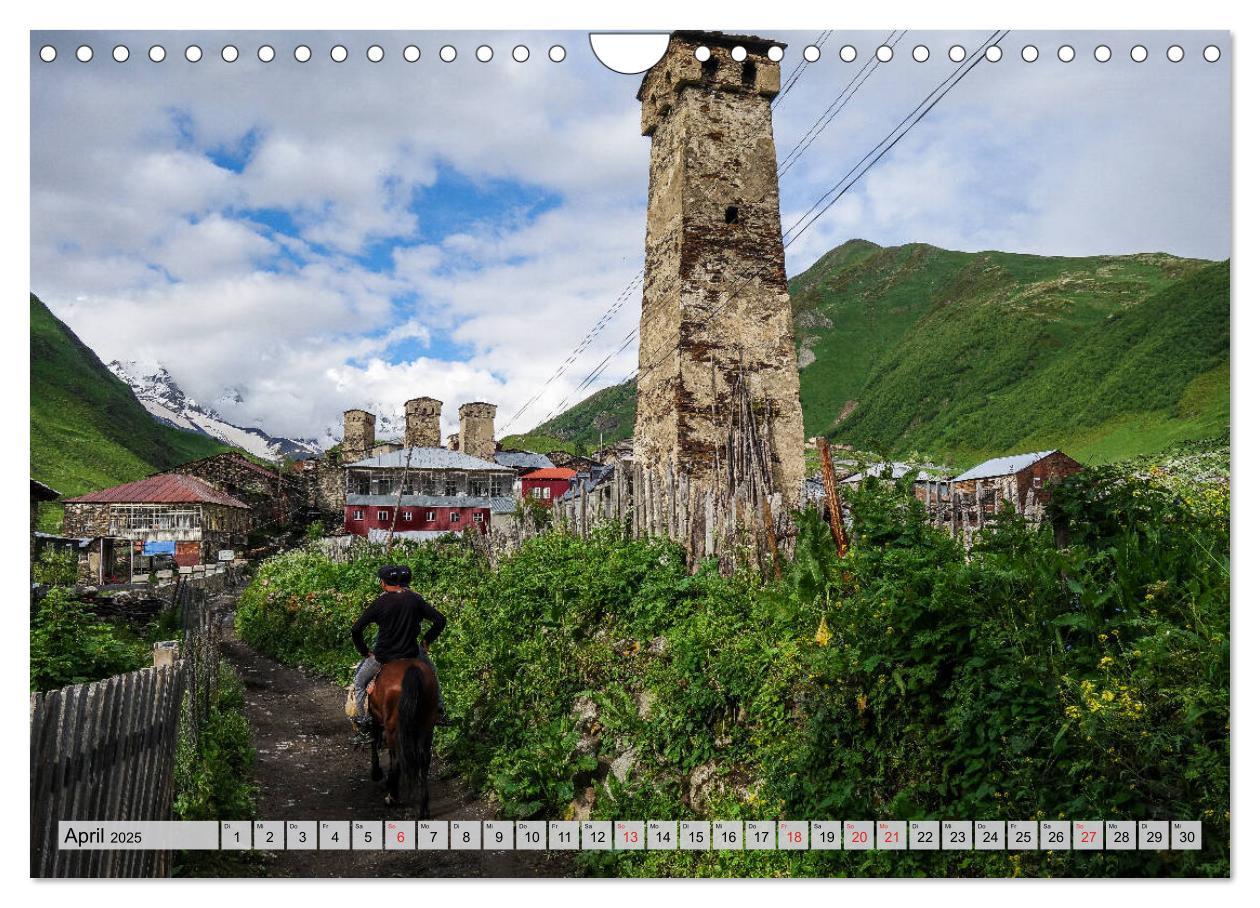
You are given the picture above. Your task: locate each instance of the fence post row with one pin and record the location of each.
(106, 750)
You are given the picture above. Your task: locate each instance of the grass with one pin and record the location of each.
(88, 431)
(962, 356)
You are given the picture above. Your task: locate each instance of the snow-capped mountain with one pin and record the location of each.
(161, 395)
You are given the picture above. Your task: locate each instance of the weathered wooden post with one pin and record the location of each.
(835, 516)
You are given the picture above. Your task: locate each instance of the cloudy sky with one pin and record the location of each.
(317, 236)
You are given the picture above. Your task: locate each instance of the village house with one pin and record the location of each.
(275, 498)
(1022, 479)
(424, 490)
(166, 514)
(546, 485)
(927, 487)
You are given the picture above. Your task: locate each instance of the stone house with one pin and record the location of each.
(1023, 479)
(186, 515)
(274, 498)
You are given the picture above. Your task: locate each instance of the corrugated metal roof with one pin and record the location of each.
(885, 471)
(164, 488)
(1003, 466)
(551, 473)
(43, 492)
(591, 480)
(523, 460)
(430, 459)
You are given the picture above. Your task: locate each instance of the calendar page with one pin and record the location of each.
(699, 449)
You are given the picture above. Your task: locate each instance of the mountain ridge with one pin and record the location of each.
(915, 349)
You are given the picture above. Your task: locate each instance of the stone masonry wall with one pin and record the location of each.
(715, 290)
(424, 423)
(476, 430)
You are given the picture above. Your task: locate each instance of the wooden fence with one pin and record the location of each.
(106, 750)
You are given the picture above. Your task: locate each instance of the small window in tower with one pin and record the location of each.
(732, 214)
(709, 69)
(748, 75)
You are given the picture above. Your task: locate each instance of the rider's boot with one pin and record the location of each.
(363, 732)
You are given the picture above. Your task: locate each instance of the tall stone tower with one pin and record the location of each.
(715, 298)
(424, 423)
(476, 430)
(359, 435)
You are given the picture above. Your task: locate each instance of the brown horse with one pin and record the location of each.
(404, 705)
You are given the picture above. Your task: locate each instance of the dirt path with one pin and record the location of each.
(307, 769)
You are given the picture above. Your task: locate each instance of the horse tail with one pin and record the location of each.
(409, 732)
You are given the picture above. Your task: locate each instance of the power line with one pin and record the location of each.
(602, 322)
(833, 195)
(833, 110)
(792, 234)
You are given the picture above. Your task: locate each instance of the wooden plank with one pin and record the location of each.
(48, 710)
(80, 749)
(120, 770)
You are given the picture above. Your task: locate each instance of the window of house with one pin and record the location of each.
(430, 516)
(358, 514)
(382, 515)
(1036, 482)
(428, 484)
(407, 516)
(732, 214)
(709, 68)
(454, 516)
(546, 492)
(451, 486)
(749, 73)
(497, 486)
(536, 492)
(477, 517)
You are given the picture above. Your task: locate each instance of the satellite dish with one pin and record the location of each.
(629, 53)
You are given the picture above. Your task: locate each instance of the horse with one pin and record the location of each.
(404, 704)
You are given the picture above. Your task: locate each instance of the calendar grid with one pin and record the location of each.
(636, 835)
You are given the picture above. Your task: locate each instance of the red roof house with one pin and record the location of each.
(546, 485)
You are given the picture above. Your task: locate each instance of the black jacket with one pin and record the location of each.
(398, 618)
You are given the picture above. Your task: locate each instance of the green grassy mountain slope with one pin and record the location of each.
(607, 414)
(961, 356)
(88, 430)
(966, 355)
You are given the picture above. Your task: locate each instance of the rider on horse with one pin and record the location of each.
(398, 614)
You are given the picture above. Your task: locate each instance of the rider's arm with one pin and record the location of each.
(356, 632)
(438, 622)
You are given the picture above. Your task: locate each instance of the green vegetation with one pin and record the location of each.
(1088, 678)
(963, 356)
(543, 444)
(606, 414)
(88, 431)
(70, 645)
(55, 566)
(212, 773)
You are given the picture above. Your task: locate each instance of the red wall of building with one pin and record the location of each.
(372, 519)
(558, 487)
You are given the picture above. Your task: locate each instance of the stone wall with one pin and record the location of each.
(359, 435)
(326, 489)
(476, 430)
(424, 423)
(715, 299)
(275, 498)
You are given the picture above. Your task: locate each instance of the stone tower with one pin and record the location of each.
(424, 423)
(476, 430)
(715, 297)
(359, 435)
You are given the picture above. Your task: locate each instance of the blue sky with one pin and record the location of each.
(327, 235)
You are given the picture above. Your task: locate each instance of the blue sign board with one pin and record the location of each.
(159, 548)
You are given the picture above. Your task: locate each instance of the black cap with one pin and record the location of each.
(389, 574)
(404, 575)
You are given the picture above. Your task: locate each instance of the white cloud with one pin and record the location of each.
(150, 249)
